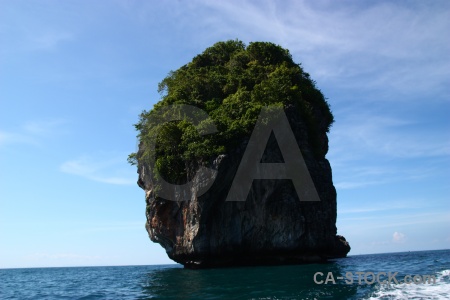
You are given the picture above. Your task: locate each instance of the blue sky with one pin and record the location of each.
(74, 75)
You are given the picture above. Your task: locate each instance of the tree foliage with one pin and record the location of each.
(231, 82)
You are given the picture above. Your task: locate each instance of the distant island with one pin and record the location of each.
(195, 142)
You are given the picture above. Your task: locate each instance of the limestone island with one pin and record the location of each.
(190, 154)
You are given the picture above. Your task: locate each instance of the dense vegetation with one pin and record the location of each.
(231, 82)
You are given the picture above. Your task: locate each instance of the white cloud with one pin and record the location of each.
(360, 46)
(106, 171)
(46, 127)
(398, 237)
(122, 226)
(32, 132)
(434, 223)
(8, 138)
(49, 259)
(33, 28)
(373, 148)
(50, 40)
(382, 44)
(392, 205)
(40, 256)
(396, 137)
(379, 243)
(350, 175)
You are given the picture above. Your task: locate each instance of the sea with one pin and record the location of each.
(404, 275)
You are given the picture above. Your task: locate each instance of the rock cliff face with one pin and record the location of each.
(271, 227)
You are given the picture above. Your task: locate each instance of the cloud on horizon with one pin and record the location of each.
(398, 237)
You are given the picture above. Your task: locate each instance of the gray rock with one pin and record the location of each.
(271, 227)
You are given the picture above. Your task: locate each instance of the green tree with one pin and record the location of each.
(231, 82)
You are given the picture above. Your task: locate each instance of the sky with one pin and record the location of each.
(74, 76)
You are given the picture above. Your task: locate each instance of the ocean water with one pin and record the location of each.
(274, 282)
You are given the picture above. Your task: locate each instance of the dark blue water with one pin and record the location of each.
(277, 282)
